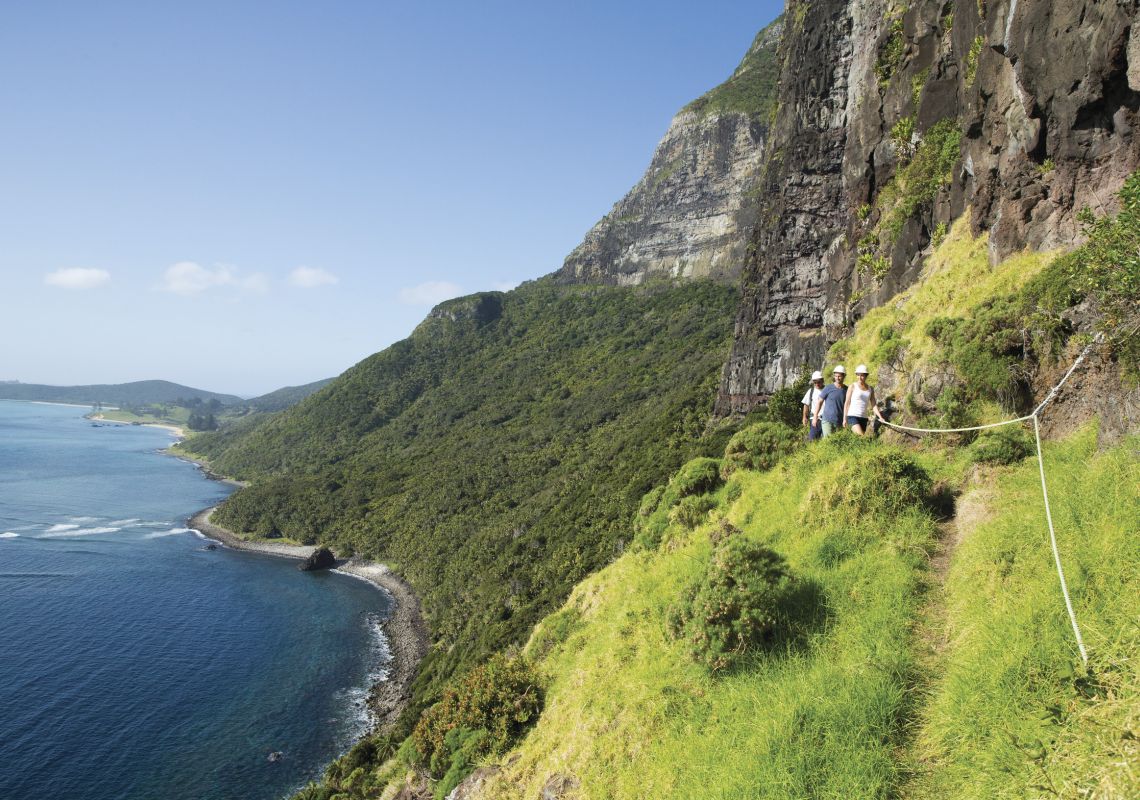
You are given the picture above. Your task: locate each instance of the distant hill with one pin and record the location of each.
(284, 397)
(126, 394)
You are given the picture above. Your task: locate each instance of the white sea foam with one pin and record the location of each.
(75, 530)
(171, 532)
(9, 535)
(84, 520)
(124, 523)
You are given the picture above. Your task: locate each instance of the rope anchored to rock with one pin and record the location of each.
(1034, 416)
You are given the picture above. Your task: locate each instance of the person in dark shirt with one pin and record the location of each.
(829, 406)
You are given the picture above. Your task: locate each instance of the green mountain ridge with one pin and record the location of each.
(127, 394)
(478, 456)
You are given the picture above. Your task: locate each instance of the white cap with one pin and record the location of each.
(839, 368)
(862, 370)
(817, 376)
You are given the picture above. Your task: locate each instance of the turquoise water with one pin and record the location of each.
(134, 663)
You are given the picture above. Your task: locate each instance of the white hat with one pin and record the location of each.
(839, 368)
(862, 370)
(817, 376)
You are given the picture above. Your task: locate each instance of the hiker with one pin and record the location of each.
(860, 401)
(808, 403)
(828, 412)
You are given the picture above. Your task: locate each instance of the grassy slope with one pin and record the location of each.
(957, 278)
(1009, 710)
(862, 709)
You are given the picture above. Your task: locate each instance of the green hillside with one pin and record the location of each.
(856, 618)
(137, 393)
(495, 455)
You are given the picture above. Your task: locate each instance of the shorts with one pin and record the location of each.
(862, 422)
(815, 432)
(827, 428)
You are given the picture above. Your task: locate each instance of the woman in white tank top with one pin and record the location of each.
(860, 400)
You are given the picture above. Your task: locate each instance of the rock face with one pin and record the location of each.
(689, 215)
(321, 558)
(1042, 102)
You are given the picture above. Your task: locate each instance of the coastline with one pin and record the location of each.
(174, 429)
(404, 627)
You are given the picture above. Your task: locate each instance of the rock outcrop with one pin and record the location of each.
(321, 558)
(690, 214)
(1037, 103)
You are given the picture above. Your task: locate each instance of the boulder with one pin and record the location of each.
(321, 558)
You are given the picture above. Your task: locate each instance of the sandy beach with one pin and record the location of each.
(405, 628)
(177, 431)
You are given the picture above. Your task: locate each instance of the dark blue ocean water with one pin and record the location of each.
(136, 664)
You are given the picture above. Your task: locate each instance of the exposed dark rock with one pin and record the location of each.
(1045, 95)
(321, 558)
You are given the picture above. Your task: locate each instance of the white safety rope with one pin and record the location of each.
(1041, 466)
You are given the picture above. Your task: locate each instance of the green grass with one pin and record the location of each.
(158, 415)
(1013, 714)
(631, 715)
(957, 278)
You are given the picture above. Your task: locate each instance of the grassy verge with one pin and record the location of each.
(1013, 714)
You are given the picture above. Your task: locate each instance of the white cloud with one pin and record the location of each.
(429, 293)
(188, 278)
(505, 286)
(311, 277)
(77, 278)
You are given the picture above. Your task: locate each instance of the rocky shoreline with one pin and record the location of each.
(404, 627)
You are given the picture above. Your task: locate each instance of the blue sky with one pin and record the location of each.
(241, 196)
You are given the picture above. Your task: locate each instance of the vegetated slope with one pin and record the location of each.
(137, 393)
(844, 698)
(284, 397)
(495, 455)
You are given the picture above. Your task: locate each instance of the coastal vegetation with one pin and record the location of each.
(862, 618)
(494, 457)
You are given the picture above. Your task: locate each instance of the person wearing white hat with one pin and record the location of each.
(860, 400)
(814, 431)
(829, 405)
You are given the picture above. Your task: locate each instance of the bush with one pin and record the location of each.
(881, 484)
(500, 698)
(760, 447)
(699, 476)
(1006, 445)
(650, 501)
(736, 606)
(466, 748)
(692, 511)
(784, 405)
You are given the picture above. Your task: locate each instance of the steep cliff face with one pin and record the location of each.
(689, 215)
(891, 123)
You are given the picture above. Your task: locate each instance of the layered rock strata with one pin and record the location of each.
(689, 215)
(1044, 101)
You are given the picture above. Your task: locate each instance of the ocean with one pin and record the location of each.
(134, 662)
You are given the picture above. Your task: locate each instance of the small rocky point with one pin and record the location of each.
(321, 558)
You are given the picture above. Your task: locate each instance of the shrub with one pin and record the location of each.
(699, 476)
(736, 606)
(881, 483)
(466, 748)
(554, 630)
(760, 447)
(692, 510)
(650, 501)
(1006, 445)
(501, 698)
(784, 405)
